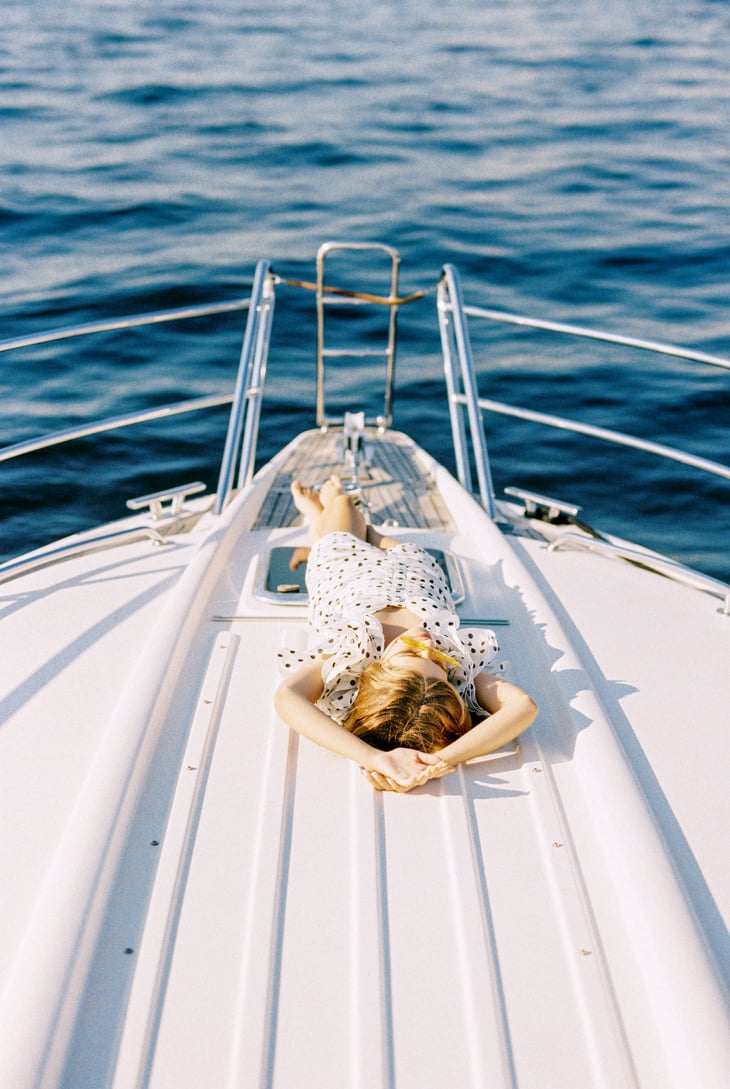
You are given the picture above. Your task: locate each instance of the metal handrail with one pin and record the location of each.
(240, 447)
(114, 324)
(657, 346)
(112, 423)
(618, 438)
(465, 402)
(463, 398)
(388, 353)
(241, 438)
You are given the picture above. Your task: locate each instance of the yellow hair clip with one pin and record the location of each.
(439, 656)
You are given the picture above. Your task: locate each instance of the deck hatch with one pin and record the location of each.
(276, 582)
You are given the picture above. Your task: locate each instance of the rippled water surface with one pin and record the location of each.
(569, 157)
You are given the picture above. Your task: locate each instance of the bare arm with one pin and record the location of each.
(400, 769)
(511, 712)
(294, 701)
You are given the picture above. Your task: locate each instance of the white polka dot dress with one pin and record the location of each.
(348, 580)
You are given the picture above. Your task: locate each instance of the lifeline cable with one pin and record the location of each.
(364, 296)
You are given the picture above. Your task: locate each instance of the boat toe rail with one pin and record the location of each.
(74, 547)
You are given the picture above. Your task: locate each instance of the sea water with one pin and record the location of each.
(569, 157)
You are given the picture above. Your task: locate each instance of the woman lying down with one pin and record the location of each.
(392, 682)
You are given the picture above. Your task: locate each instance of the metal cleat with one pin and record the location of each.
(177, 497)
(542, 506)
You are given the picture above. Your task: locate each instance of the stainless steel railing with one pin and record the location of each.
(113, 423)
(132, 321)
(467, 428)
(241, 439)
(356, 351)
(240, 446)
(243, 421)
(466, 405)
(616, 437)
(598, 334)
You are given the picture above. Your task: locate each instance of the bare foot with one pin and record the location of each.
(330, 490)
(306, 500)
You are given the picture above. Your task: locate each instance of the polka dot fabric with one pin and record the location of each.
(349, 580)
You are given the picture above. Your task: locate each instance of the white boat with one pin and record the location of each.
(196, 898)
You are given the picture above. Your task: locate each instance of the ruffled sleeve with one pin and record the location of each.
(349, 647)
(360, 642)
(474, 650)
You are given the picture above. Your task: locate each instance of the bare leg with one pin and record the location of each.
(329, 511)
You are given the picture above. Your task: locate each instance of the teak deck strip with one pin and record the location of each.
(394, 488)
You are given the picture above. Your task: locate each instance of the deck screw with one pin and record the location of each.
(128, 951)
(585, 952)
(557, 844)
(154, 843)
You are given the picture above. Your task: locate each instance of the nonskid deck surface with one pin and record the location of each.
(394, 488)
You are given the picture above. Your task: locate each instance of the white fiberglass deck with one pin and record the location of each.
(549, 917)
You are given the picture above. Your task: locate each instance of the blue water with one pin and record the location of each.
(570, 157)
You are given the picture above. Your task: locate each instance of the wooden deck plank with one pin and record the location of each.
(394, 488)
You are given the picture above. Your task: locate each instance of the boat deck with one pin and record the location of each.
(479, 931)
(210, 900)
(393, 487)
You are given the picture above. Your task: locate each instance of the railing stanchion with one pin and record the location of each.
(246, 406)
(462, 390)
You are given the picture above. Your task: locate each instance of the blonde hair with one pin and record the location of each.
(396, 708)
